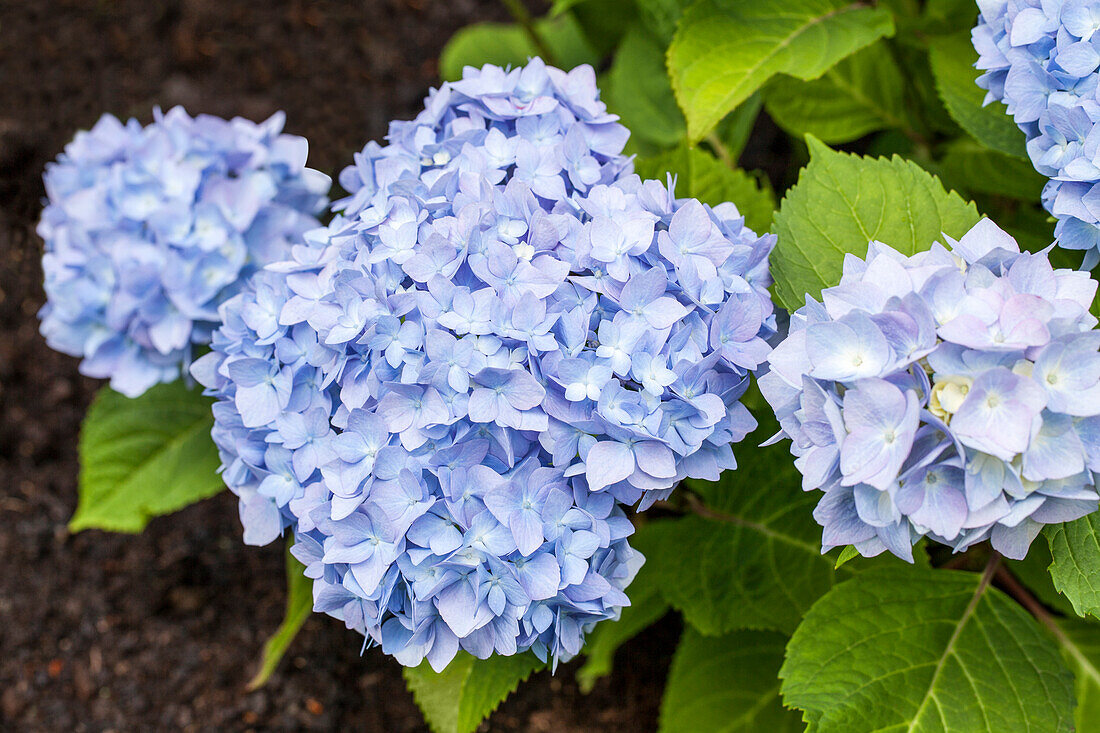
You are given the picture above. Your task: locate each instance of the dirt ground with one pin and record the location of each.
(161, 631)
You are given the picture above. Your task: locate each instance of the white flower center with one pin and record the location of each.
(947, 396)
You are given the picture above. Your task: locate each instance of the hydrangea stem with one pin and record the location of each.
(1023, 596)
(720, 149)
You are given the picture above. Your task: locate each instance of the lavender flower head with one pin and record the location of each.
(149, 229)
(953, 394)
(505, 334)
(1041, 59)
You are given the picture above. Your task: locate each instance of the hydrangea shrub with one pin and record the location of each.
(1041, 60)
(149, 229)
(503, 336)
(454, 397)
(953, 394)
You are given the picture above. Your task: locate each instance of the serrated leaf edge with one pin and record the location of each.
(461, 691)
(1060, 531)
(938, 84)
(816, 145)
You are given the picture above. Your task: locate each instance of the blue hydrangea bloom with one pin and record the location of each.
(1041, 58)
(149, 229)
(504, 335)
(954, 394)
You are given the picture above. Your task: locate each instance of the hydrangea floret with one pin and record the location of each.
(1041, 59)
(953, 394)
(503, 336)
(149, 229)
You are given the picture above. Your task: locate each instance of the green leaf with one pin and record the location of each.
(557, 7)
(941, 17)
(1075, 549)
(700, 175)
(846, 555)
(646, 607)
(724, 50)
(843, 201)
(889, 143)
(144, 457)
(1034, 572)
(639, 90)
(506, 44)
(924, 99)
(726, 685)
(299, 604)
(735, 573)
(661, 16)
(753, 560)
(862, 93)
(756, 561)
(953, 59)
(604, 22)
(905, 11)
(1080, 642)
(920, 650)
(457, 699)
(917, 20)
(975, 169)
(735, 129)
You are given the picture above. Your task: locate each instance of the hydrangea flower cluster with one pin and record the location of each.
(951, 394)
(148, 230)
(504, 335)
(1041, 59)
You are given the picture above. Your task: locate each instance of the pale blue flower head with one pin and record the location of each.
(479, 361)
(1042, 59)
(149, 229)
(953, 394)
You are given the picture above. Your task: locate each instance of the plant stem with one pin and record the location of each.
(520, 14)
(1087, 667)
(696, 505)
(991, 568)
(720, 149)
(1023, 596)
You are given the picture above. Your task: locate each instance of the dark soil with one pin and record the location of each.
(161, 631)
